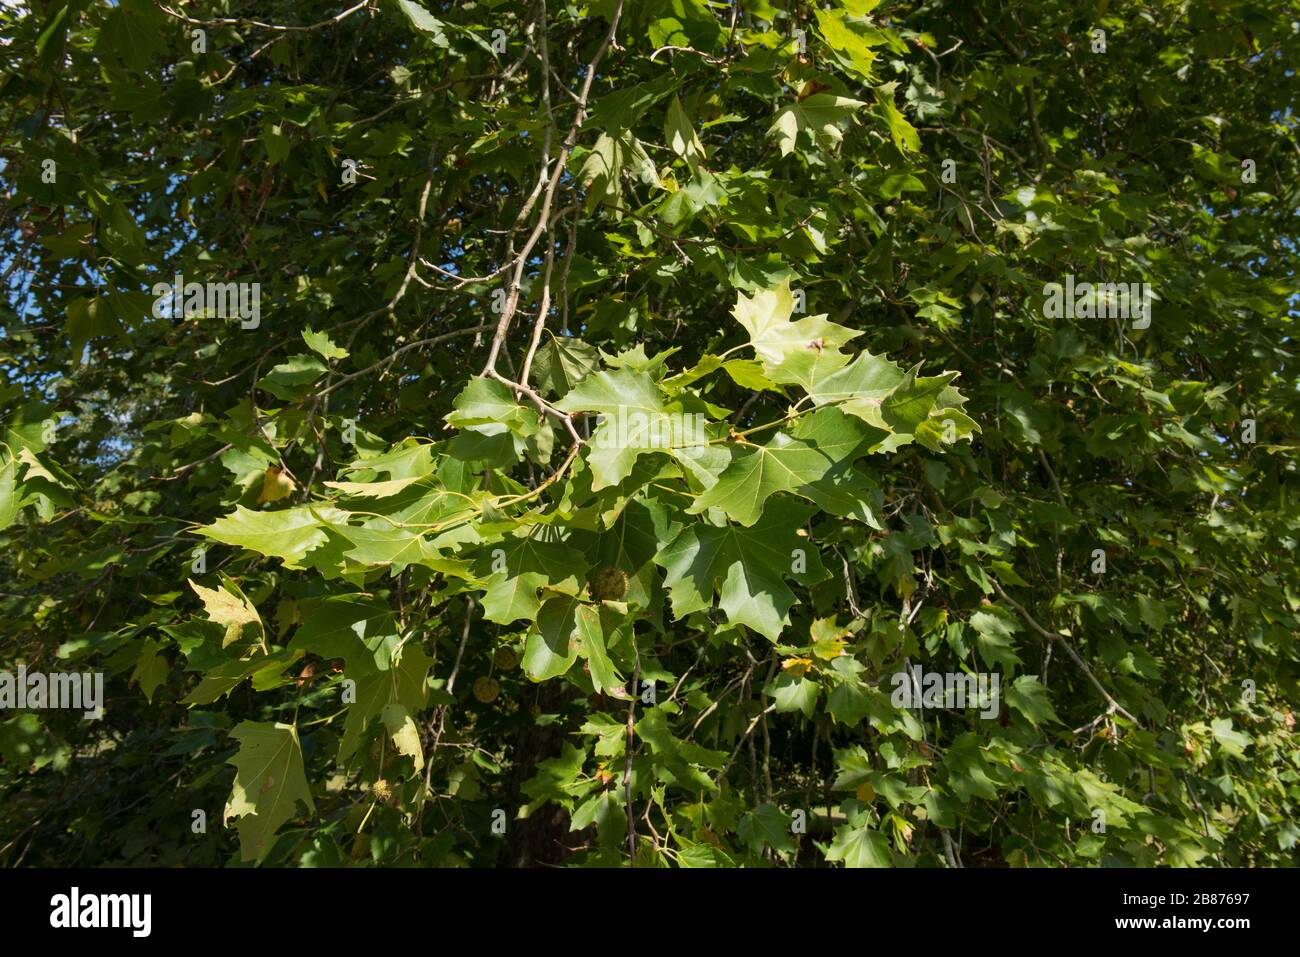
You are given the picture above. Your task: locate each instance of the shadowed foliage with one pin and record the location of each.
(509, 433)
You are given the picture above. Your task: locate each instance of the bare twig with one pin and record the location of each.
(543, 216)
(245, 22)
(391, 357)
(542, 405)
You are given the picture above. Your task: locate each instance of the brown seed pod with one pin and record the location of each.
(486, 689)
(610, 584)
(504, 658)
(382, 790)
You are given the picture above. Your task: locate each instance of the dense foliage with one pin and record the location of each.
(635, 388)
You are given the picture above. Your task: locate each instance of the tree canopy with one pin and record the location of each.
(503, 432)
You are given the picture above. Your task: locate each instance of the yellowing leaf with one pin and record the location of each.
(276, 485)
(828, 638)
(766, 317)
(796, 667)
(228, 606)
(405, 735)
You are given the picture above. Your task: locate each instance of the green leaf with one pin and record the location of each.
(564, 362)
(323, 345)
(746, 567)
(151, 668)
(1233, 742)
(996, 644)
(8, 491)
(790, 693)
(677, 762)
(819, 114)
(595, 631)
(600, 172)
(277, 145)
(858, 388)
(766, 317)
(50, 43)
(403, 732)
(486, 401)
(859, 846)
(357, 628)
(1028, 696)
(374, 489)
(513, 571)
(219, 681)
(495, 426)
(850, 701)
(286, 380)
(901, 131)
(559, 778)
(767, 826)
(228, 607)
(680, 135)
(550, 649)
(703, 855)
(270, 783)
(757, 472)
(425, 22)
(402, 684)
(288, 534)
(815, 465)
(844, 39)
(88, 319)
(968, 769)
(380, 543)
(132, 32)
(634, 421)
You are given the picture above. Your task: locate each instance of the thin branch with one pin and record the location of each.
(1069, 648)
(540, 322)
(245, 22)
(406, 348)
(627, 763)
(542, 405)
(543, 217)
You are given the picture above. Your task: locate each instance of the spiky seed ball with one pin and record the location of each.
(382, 790)
(486, 690)
(610, 584)
(504, 658)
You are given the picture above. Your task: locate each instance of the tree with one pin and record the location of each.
(667, 433)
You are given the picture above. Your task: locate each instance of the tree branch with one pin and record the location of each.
(1069, 648)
